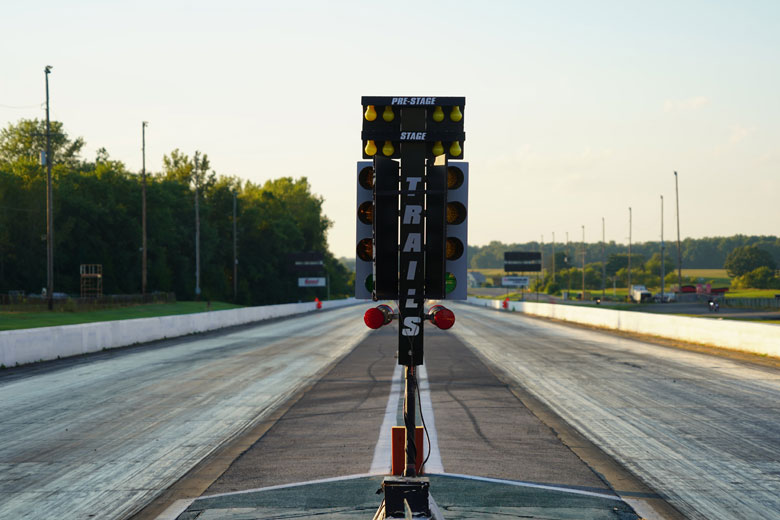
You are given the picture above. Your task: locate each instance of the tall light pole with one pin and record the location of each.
(143, 207)
(568, 267)
(553, 256)
(662, 249)
(679, 249)
(235, 250)
(583, 263)
(603, 259)
(49, 205)
(629, 253)
(197, 233)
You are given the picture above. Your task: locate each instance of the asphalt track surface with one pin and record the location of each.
(101, 436)
(702, 430)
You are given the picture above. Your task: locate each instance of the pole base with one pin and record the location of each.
(414, 490)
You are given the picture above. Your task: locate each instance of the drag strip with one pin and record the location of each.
(702, 430)
(101, 436)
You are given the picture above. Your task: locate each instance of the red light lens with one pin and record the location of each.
(374, 318)
(443, 318)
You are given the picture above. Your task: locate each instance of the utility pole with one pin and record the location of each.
(662, 249)
(679, 249)
(553, 257)
(541, 251)
(235, 251)
(603, 259)
(583, 263)
(143, 207)
(629, 253)
(197, 232)
(49, 205)
(568, 267)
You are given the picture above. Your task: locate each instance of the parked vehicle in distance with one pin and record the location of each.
(640, 294)
(667, 297)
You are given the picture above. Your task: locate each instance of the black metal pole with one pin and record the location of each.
(143, 207)
(235, 250)
(410, 400)
(49, 206)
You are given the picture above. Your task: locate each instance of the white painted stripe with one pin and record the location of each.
(434, 464)
(532, 485)
(174, 510)
(284, 486)
(382, 463)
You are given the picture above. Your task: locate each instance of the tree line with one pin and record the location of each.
(97, 219)
(697, 253)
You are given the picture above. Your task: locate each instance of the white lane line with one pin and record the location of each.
(434, 464)
(381, 465)
(532, 485)
(285, 486)
(174, 510)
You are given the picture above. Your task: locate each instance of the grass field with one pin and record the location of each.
(752, 293)
(29, 320)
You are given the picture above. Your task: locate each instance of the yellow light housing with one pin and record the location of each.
(370, 148)
(366, 178)
(365, 250)
(366, 212)
(456, 213)
(370, 114)
(438, 115)
(454, 178)
(454, 248)
(456, 115)
(455, 149)
(438, 148)
(388, 114)
(388, 149)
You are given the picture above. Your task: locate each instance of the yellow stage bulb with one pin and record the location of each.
(370, 114)
(455, 149)
(438, 149)
(456, 115)
(388, 115)
(438, 115)
(371, 148)
(388, 148)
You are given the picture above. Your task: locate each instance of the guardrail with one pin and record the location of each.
(752, 303)
(18, 347)
(757, 338)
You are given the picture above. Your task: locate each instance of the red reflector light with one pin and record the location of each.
(377, 316)
(442, 317)
(374, 318)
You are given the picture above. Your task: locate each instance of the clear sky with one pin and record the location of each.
(574, 110)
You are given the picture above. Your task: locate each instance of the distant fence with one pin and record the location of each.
(32, 303)
(753, 303)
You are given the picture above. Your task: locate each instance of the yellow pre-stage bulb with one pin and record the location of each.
(388, 114)
(438, 148)
(456, 115)
(388, 149)
(370, 114)
(370, 148)
(455, 149)
(438, 116)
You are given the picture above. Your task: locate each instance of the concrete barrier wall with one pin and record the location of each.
(758, 338)
(18, 347)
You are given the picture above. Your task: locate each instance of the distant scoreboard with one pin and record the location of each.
(522, 261)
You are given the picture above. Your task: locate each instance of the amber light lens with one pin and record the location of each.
(366, 178)
(454, 248)
(456, 213)
(366, 212)
(454, 178)
(365, 250)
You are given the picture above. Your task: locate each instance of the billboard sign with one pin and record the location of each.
(311, 282)
(514, 281)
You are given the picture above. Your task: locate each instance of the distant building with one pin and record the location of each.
(476, 279)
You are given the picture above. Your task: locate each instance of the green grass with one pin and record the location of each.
(29, 320)
(752, 293)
